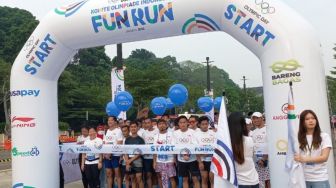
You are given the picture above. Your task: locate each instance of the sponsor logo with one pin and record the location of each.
(134, 19)
(71, 162)
(289, 67)
(21, 185)
(119, 74)
(21, 122)
(83, 149)
(137, 151)
(185, 152)
(207, 148)
(40, 55)
(281, 146)
(31, 153)
(284, 115)
(25, 92)
(98, 146)
(200, 21)
(248, 25)
(69, 9)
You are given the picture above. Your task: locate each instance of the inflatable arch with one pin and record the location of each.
(284, 42)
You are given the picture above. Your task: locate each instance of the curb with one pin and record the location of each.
(5, 160)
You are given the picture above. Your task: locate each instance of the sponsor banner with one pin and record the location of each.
(117, 77)
(138, 149)
(33, 152)
(22, 122)
(25, 93)
(70, 165)
(285, 72)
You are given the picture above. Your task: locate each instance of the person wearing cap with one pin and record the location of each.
(259, 136)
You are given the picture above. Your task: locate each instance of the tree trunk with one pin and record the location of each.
(5, 99)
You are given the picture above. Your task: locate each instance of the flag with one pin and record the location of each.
(294, 169)
(222, 164)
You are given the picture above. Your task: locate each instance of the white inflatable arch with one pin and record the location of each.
(284, 42)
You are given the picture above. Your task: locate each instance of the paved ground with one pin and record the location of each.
(4, 162)
(6, 180)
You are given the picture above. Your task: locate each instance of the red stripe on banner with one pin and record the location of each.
(218, 166)
(290, 107)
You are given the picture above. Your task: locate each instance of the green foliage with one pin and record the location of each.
(63, 126)
(331, 81)
(16, 25)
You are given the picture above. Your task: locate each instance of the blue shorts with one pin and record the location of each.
(113, 163)
(148, 166)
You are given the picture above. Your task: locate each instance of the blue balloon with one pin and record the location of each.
(170, 104)
(159, 105)
(112, 109)
(123, 100)
(217, 102)
(205, 104)
(178, 94)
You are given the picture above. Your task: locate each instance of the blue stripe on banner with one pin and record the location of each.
(228, 168)
(227, 149)
(229, 152)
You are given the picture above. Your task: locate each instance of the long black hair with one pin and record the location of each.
(237, 127)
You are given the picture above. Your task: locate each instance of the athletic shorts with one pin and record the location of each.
(207, 165)
(167, 168)
(184, 168)
(148, 165)
(112, 163)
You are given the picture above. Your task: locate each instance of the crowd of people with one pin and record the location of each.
(249, 144)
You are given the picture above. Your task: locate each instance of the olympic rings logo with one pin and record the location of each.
(259, 138)
(265, 7)
(282, 145)
(290, 65)
(184, 140)
(29, 43)
(207, 140)
(149, 139)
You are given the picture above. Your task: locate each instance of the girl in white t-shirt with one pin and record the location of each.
(242, 146)
(314, 150)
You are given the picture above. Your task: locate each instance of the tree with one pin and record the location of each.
(331, 81)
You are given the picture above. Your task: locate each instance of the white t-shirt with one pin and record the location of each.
(166, 138)
(206, 138)
(316, 171)
(187, 137)
(81, 139)
(113, 136)
(92, 158)
(149, 136)
(259, 137)
(246, 172)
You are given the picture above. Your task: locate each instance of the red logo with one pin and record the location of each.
(21, 122)
(284, 108)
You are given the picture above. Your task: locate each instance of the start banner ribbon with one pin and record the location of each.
(137, 149)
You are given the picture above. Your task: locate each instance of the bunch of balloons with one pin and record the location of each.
(123, 101)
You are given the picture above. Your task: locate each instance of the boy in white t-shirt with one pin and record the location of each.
(164, 165)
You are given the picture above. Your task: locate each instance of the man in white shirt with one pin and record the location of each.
(113, 136)
(206, 137)
(149, 135)
(188, 164)
(259, 136)
(164, 165)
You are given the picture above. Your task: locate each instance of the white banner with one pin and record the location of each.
(117, 82)
(70, 165)
(138, 149)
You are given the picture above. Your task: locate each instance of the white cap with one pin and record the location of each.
(248, 121)
(257, 114)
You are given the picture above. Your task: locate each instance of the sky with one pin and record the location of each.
(224, 50)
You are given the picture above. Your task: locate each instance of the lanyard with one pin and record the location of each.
(310, 148)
